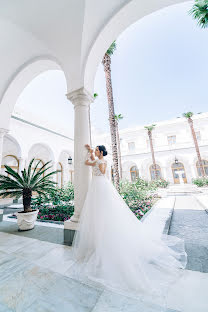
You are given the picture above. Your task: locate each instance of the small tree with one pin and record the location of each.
(29, 181)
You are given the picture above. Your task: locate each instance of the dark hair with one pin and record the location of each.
(102, 149)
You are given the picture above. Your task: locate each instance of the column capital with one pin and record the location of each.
(80, 97)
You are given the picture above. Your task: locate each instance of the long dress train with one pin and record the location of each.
(116, 250)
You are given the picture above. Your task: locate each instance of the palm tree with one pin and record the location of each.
(188, 116)
(149, 132)
(17, 185)
(118, 118)
(106, 61)
(199, 12)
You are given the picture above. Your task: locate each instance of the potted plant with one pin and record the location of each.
(30, 180)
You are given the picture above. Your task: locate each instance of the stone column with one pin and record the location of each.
(22, 164)
(2, 134)
(81, 100)
(53, 168)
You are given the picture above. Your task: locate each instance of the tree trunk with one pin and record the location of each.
(190, 121)
(153, 154)
(107, 68)
(119, 149)
(27, 195)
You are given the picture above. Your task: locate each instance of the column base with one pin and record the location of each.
(69, 231)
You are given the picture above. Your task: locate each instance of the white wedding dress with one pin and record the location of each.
(113, 249)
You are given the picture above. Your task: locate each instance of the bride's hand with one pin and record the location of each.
(88, 148)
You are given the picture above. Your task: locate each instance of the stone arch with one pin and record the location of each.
(126, 166)
(186, 164)
(121, 20)
(41, 151)
(23, 76)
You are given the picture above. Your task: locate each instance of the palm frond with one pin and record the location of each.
(30, 168)
(14, 174)
(36, 167)
(111, 49)
(150, 128)
(8, 183)
(199, 11)
(188, 115)
(13, 193)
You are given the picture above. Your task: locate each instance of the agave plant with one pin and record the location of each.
(30, 180)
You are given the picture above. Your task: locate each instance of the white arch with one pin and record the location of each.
(26, 73)
(16, 143)
(126, 16)
(184, 161)
(47, 147)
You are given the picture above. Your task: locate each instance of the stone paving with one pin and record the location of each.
(190, 222)
(34, 273)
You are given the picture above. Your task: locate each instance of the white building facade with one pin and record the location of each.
(26, 140)
(173, 147)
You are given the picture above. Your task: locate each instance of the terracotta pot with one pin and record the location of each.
(26, 220)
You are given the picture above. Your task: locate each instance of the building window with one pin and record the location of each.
(131, 146)
(155, 173)
(171, 139)
(205, 166)
(175, 170)
(134, 172)
(11, 161)
(198, 135)
(59, 175)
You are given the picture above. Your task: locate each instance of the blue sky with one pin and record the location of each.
(159, 71)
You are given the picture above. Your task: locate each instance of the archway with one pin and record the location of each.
(176, 169)
(134, 173)
(59, 176)
(155, 173)
(205, 166)
(130, 13)
(24, 75)
(11, 161)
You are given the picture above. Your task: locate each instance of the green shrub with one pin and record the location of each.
(201, 181)
(159, 183)
(56, 197)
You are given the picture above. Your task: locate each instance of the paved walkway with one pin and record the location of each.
(190, 222)
(34, 274)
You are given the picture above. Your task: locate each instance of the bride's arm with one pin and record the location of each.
(88, 162)
(90, 150)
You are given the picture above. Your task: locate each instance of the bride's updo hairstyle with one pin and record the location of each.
(102, 149)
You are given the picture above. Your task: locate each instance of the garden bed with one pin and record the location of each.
(58, 207)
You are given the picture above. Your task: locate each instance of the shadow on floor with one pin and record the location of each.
(43, 233)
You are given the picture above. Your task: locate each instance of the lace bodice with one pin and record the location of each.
(95, 169)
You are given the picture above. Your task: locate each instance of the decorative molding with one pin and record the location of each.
(40, 127)
(80, 97)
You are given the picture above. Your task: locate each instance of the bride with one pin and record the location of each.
(114, 249)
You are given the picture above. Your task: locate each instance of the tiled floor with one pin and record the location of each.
(35, 275)
(190, 222)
